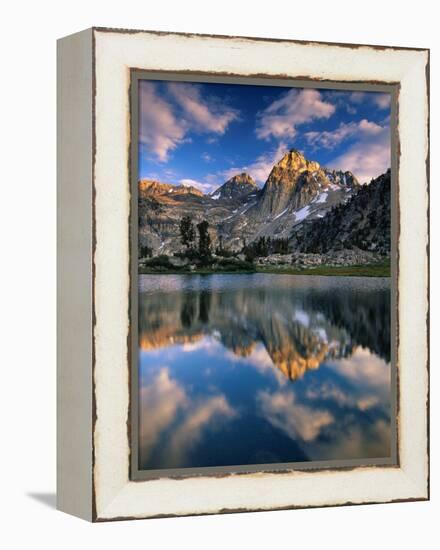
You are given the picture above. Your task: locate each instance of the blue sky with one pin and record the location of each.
(202, 134)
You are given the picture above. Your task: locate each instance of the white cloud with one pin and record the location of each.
(207, 157)
(208, 344)
(296, 107)
(328, 419)
(367, 158)
(202, 186)
(357, 97)
(296, 420)
(164, 402)
(190, 430)
(159, 129)
(331, 138)
(159, 405)
(370, 128)
(205, 116)
(164, 124)
(349, 101)
(365, 370)
(383, 101)
(214, 179)
(261, 167)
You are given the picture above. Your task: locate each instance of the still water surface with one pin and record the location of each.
(260, 369)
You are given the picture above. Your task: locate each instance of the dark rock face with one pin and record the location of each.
(281, 184)
(237, 187)
(307, 188)
(364, 222)
(295, 181)
(345, 179)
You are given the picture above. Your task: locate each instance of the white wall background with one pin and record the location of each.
(27, 289)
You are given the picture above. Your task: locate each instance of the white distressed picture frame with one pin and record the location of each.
(94, 274)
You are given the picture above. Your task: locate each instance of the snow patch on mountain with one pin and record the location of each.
(322, 197)
(302, 214)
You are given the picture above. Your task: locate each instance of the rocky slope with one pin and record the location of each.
(161, 206)
(152, 188)
(296, 189)
(295, 181)
(364, 223)
(237, 187)
(297, 192)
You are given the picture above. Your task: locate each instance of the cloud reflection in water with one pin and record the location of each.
(254, 369)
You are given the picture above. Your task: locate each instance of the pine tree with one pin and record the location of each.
(187, 231)
(204, 240)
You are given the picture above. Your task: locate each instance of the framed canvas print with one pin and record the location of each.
(242, 274)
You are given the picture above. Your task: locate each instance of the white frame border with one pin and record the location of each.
(115, 496)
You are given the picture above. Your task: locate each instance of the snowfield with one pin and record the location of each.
(322, 197)
(302, 214)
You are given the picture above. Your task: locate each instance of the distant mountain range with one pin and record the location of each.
(317, 209)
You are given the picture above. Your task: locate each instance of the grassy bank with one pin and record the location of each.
(371, 270)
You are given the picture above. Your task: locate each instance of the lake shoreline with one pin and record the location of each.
(369, 270)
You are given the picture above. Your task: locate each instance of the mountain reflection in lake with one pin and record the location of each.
(259, 369)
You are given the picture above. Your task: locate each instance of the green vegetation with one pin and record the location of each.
(369, 270)
(164, 264)
(187, 232)
(222, 251)
(221, 266)
(204, 242)
(202, 253)
(264, 246)
(145, 252)
(197, 257)
(234, 264)
(159, 263)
